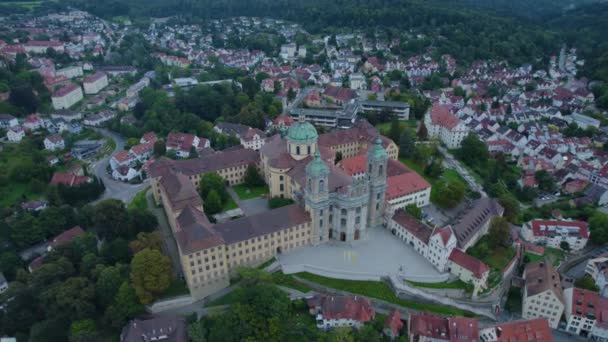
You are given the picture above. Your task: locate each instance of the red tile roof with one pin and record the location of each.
(549, 227)
(122, 156)
(474, 265)
(340, 94)
(94, 77)
(412, 225)
(180, 141)
(587, 303)
(285, 119)
(144, 148)
(68, 88)
(441, 115)
(404, 184)
(394, 322)
(441, 328)
(149, 137)
(66, 236)
(534, 330)
(68, 179)
(343, 307)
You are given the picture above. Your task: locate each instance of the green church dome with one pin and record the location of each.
(302, 131)
(316, 166)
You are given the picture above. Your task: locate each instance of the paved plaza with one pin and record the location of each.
(377, 256)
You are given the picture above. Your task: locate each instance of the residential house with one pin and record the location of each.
(54, 142)
(68, 179)
(15, 133)
(393, 325)
(125, 173)
(253, 138)
(67, 96)
(65, 237)
(542, 293)
(552, 233)
(183, 143)
(122, 158)
(430, 327)
(586, 314)
(158, 328)
(33, 122)
(34, 205)
(597, 268)
(98, 119)
(340, 311)
(70, 72)
(94, 83)
(469, 269)
(533, 330)
(7, 121)
(148, 137)
(66, 115)
(445, 126)
(339, 95)
(357, 81)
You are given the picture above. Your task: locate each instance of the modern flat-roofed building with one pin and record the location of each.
(401, 109)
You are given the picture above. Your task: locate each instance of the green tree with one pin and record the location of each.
(565, 246)
(159, 148)
(150, 274)
(108, 283)
(407, 144)
(125, 306)
(587, 283)
(395, 129)
(598, 225)
(151, 240)
(83, 331)
(197, 332)
(73, 298)
(253, 177)
(413, 210)
(213, 203)
(291, 95)
(110, 219)
(9, 264)
(213, 181)
(499, 232)
(473, 151)
(449, 193)
(511, 207)
(545, 180)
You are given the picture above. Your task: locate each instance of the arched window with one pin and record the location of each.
(308, 149)
(380, 171)
(298, 150)
(309, 185)
(343, 212)
(370, 169)
(321, 185)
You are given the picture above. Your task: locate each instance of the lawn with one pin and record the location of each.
(139, 201)
(384, 127)
(456, 284)
(382, 291)
(496, 258)
(227, 299)
(229, 205)
(177, 288)
(555, 255)
(247, 192)
(288, 280)
(12, 193)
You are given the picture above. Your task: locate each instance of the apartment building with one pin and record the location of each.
(542, 294)
(94, 83)
(67, 96)
(586, 314)
(597, 268)
(552, 233)
(445, 126)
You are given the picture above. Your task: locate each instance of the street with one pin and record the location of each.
(451, 163)
(114, 189)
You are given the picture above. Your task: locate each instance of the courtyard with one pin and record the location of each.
(377, 256)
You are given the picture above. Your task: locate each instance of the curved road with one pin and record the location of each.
(114, 189)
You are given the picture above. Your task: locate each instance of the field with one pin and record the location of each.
(25, 4)
(247, 192)
(554, 254)
(380, 290)
(139, 201)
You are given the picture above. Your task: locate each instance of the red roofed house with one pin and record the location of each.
(142, 151)
(67, 96)
(38, 46)
(340, 311)
(122, 158)
(393, 325)
(68, 179)
(65, 237)
(444, 125)
(553, 232)
(94, 83)
(252, 138)
(183, 142)
(586, 313)
(534, 330)
(405, 189)
(32, 122)
(429, 327)
(469, 270)
(282, 120)
(339, 95)
(435, 245)
(148, 137)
